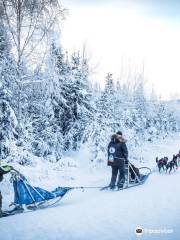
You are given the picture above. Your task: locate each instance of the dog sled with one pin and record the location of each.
(30, 198)
(134, 177)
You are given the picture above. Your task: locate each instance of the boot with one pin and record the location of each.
(112, 187)
(2, 214)
(120, 186)
(17, 208)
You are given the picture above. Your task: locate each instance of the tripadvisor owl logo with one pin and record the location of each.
(139, 231)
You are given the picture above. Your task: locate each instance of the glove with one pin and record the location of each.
(6, 169)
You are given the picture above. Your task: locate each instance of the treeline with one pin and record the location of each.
(48, 104)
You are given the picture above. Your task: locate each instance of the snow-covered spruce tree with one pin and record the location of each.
(8, 73)
(47, 121)
(68, 98)
(80, 103)
(172, 124)
(8, 123)
(140, 104)
(67, 109)
(63, 84)
(165, 120)
(107, 98)
(105, 120)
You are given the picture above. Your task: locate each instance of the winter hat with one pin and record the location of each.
(119, 133)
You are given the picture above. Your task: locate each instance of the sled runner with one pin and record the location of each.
(138, 179)
(31, 197)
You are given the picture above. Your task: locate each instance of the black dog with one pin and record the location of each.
(173, 164)
(161, 163)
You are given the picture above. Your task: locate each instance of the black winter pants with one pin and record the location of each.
(121, 178)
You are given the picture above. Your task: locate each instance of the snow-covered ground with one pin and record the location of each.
(102, 215)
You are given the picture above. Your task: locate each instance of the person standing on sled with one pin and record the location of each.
(3, 170)
(117, 158)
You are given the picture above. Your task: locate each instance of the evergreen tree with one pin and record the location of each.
(8, 123)
(80, 101)
(105, 121)
(8, 71)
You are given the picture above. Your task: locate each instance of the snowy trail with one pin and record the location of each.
(106, 215)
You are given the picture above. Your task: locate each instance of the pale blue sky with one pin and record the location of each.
(121, 31)
(159, 8)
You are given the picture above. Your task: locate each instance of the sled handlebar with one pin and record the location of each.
(150, 171)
